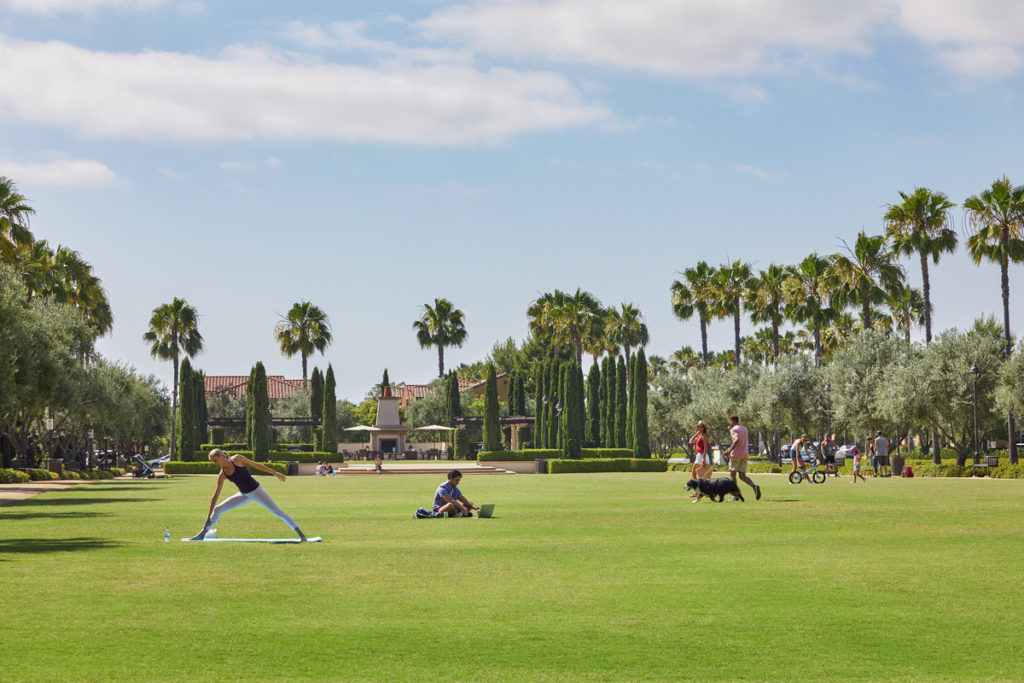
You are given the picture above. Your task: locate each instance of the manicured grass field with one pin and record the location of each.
(592, 577)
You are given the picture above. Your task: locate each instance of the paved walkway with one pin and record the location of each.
(12, 493)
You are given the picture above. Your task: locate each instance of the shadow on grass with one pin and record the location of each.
(53, 545)
(43, 500)
(51, 515)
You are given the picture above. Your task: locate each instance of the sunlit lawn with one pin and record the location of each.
(608, 577)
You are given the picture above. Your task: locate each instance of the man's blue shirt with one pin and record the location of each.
(446, 489)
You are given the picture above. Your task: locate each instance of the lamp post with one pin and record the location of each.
(270, 421)
(558, 409)
(975, 370)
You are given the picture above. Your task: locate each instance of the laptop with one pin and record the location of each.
(485, 511)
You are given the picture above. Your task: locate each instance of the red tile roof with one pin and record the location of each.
(414, 392)
(234, 386)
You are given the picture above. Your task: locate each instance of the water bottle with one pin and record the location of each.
(446, 514)
(167, 534)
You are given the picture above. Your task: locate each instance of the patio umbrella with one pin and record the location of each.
(436, 428)
(362, 428)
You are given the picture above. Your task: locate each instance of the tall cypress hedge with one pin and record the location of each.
(593, 439)
(641, 435)
(630, 374)
(330, 413)
(620, 404)
(187, 413)
(572, 411)
(608, 403)
(539, 433)
(384, 383)
(492, 414)
(250, 396)
(554, 389)
(316, 406)
(260, 415)
(202, 411)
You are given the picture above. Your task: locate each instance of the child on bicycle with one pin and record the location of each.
(801, 452)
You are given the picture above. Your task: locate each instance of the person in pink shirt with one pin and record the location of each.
(739, 454)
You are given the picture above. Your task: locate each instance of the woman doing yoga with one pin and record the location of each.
(233, 468)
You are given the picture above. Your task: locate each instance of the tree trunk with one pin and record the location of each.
(1011, 430)
(775, 342)
(736, 330)
(304, 372)
(817, 345)
(704, 340)
(174, 406)
(625, 348)
(440, 360)
(926, 287)
(865, 309)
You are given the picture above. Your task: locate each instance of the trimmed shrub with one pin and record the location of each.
(606, 465)
(606, 453)
(179, 467)
(530, 454)
(207, 447)
(41, 475)
(70, 475)
(8, 476)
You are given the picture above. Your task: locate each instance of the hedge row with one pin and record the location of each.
(607, 465)
(180, 467)
(283, 456)
(207, 447)
(13, 476)
(551, 454)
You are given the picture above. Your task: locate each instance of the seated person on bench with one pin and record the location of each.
(449, 498)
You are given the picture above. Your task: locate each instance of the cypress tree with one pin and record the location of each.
(608, 403)
(593, 439)
(620, 404)
(202, 412)
(384, 383)
(580, 386)
(521, 392)
(572, 411)
(186, 417)
(551, 419)
(641, 437)
(316, 407)
(630, 374)
(539, 433)
(260, 415)
(492, 418)
(329, 438)
(250, 396)
(563, 388)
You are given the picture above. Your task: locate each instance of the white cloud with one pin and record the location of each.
(692, 38)
(980, 39)
(60, 173)
(171, 173)
(259, 93)
(268, 164)
(86, 6)
(757, 172)
(348, 36)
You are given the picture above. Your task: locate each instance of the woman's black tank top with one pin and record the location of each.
(242, 479)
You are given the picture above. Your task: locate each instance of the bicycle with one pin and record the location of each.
(808, 473)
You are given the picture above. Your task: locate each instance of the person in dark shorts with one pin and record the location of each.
(234, 468)
(828, 454)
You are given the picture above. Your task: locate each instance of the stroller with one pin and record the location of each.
(142, 469)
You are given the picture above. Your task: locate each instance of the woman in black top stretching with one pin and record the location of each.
(233, 468)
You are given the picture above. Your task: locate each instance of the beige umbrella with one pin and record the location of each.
(436, 428)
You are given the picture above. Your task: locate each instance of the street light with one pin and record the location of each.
(828, 410)
(975, 370)
(558, 409)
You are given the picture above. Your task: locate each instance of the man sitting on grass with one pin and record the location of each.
(449, 501)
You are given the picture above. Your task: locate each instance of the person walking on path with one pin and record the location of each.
(828, 454)
(739, 453)
(235, 469)
(702, 458)
(855, 452)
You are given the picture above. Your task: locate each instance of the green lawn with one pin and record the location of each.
(595, 576)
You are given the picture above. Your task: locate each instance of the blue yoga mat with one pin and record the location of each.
(315, 539)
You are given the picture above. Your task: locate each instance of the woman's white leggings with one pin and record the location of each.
(260, 496)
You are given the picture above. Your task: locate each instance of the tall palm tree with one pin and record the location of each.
(695, 294)
(541, 318)
(575, 318)
(440, 325)
(173, 331)
(996, 217)
(731, 283)
(907, 306)
(67, 278)
(305, 330)
(809, 297)
(866, 272)
(627, 328)
(14, 217)
(765, 301)
(656, 365)
(686, 359)
(920, 224)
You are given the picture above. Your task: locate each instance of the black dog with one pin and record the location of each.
(720, 487)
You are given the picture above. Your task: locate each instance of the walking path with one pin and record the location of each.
(11, 493)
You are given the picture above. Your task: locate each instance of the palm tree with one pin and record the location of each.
(730, 285)
(686, 359)
(575, 318)
(695, 294)
(68, 279)
(627, 328)
(907, 307)
(14, 216)
(920, 224)
(441, 325)
(996, 217)
(540, 316)
(174, 330)
(866, 273)
(809, 297)
(305, 330)
(656, 365)
(765, 300)
(598, 341)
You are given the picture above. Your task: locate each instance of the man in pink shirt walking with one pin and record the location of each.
(739, 454)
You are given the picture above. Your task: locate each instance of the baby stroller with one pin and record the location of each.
(142, 469)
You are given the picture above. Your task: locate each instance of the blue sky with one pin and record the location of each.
(372, 156)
